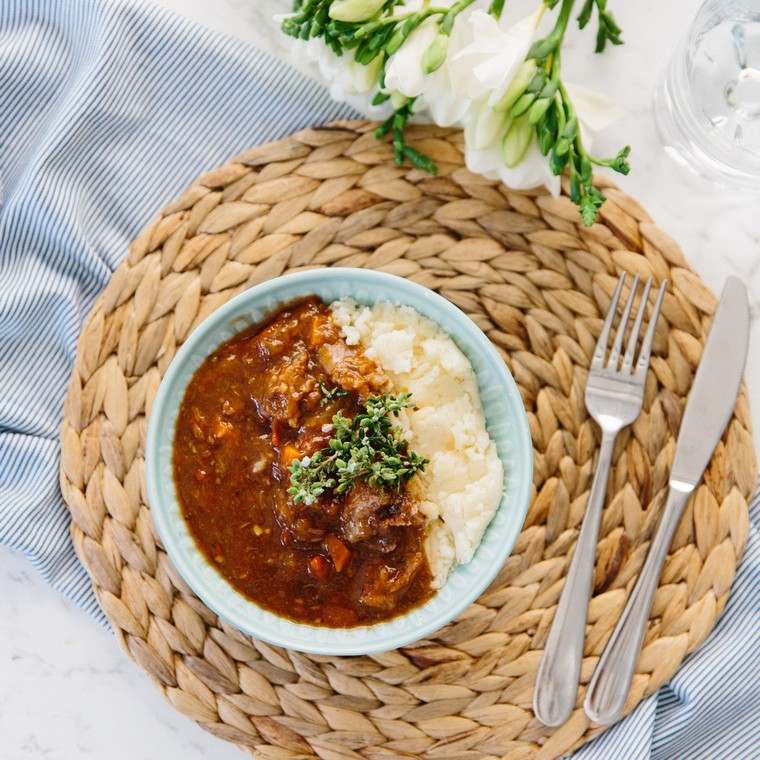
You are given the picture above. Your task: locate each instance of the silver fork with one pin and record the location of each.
(614, 395)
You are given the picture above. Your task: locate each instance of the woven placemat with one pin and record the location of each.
(537, 283)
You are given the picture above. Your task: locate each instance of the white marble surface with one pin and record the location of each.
(66, 690)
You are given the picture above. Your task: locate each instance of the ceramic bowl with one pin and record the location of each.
(506, 421)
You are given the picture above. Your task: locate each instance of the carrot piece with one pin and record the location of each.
(289, 453)
(318, 333)
(339, 552)
(318, 567)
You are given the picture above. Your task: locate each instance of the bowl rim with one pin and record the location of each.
(185, 564)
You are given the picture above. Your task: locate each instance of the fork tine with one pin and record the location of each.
(646, 345)
(618, 344)
(630, 350)
(597, 362)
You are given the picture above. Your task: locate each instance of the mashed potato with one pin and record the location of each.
(461, 487)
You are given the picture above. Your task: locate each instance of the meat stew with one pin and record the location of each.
(265, 399)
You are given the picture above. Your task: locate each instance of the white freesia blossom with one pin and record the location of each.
(348, 80)
(488, 63)
(484, 56)
(532, 171)
(484, 70)
(595, 111)
(404, 72)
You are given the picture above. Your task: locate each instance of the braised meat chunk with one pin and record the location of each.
(370, 512)
(380, 585)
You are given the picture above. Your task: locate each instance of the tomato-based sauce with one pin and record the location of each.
(262, 400)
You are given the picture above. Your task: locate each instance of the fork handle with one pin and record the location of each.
(559, 671)
(609, 686)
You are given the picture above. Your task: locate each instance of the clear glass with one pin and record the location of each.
(707, 105)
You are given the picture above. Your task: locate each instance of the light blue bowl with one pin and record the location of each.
(507, 424)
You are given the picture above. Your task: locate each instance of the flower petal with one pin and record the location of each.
(518, 41)
(404, 69)
(595, 111)
(447, 109)
(487, 64)
(486, 162)
(532, 171)
(483, 126)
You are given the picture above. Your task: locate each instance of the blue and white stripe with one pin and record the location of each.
(108, 109)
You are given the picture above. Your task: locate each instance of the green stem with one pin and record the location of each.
(543, 48)
(451, 15)
(371, 26)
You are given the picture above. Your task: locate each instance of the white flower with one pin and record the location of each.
(484, 56)
(437, 94)
(486, 66)
(348, 80)
(484, 70)
(532, 171)
(595, 112)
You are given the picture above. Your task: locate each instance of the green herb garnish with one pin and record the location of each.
(330, 394)
(366, 448)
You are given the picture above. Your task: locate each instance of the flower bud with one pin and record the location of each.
(435, 55)
(398, 100)
(353, 11)
(538, 109)
(517, 141)
(517, 86)
(524, 102)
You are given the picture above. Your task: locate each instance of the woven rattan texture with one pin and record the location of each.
(537, 283)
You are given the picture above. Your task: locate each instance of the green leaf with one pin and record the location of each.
(585, 15)
(590, 205)
(420, 160)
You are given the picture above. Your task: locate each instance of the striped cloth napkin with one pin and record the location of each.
(107, 111)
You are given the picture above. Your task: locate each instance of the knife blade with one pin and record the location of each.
(716, 385)
(709, 408)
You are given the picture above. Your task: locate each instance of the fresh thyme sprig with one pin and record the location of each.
(366, 447)
(330, 394)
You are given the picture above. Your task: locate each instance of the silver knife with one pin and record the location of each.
(711, 403)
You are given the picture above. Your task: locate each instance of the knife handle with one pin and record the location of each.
(609, 686)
